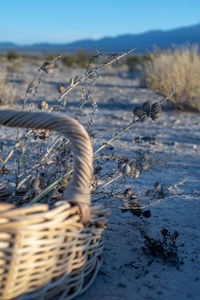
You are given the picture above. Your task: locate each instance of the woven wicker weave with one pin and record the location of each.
(52, 254)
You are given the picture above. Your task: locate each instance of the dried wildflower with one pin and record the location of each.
(48, 67)
(44, 134)
(61, 89)
(147, 110)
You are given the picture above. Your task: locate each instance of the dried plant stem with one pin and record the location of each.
(42, 162)
(34, 81)
(115, 137)
(88, 74)
(11, 153)
(55, 183)
(110, 181)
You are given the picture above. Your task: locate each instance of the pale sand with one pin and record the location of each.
(127, 272)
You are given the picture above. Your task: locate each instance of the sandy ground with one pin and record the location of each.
(127, 272)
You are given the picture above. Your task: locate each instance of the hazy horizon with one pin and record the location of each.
(90, 38)
(64, 22)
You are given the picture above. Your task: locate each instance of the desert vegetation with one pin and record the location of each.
(174, 76)
(179, 67)
(7, 92)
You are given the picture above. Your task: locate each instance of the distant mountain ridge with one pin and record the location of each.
(143, 42)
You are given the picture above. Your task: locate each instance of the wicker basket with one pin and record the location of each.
(52, 254)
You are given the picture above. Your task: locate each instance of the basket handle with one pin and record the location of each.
(77, 190)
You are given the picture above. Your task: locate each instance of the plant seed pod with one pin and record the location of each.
(126, 169)
(48, 67)
(145, 165)
(61, 89)
(136, 174)
(43, 105)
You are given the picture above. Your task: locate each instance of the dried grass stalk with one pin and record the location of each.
(176, 67)
(7, 93)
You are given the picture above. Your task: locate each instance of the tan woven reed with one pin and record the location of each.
(52, 254)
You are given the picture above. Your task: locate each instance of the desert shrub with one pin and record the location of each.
(7, 93)
(178, 67)
(134, 60)
(79, 59)
(32, 178)
(165, 247)
(12, 55)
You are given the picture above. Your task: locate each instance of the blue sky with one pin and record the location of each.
(62, 21)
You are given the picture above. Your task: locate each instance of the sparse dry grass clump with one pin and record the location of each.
(79, 59)
(134, 61)
(7, 93)
(178, 67)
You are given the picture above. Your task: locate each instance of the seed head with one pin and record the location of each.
(61, 89)
(126, 169)
(48, 67)
(136, 174)
(146, 107)
(43, 105)
(145, 165)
